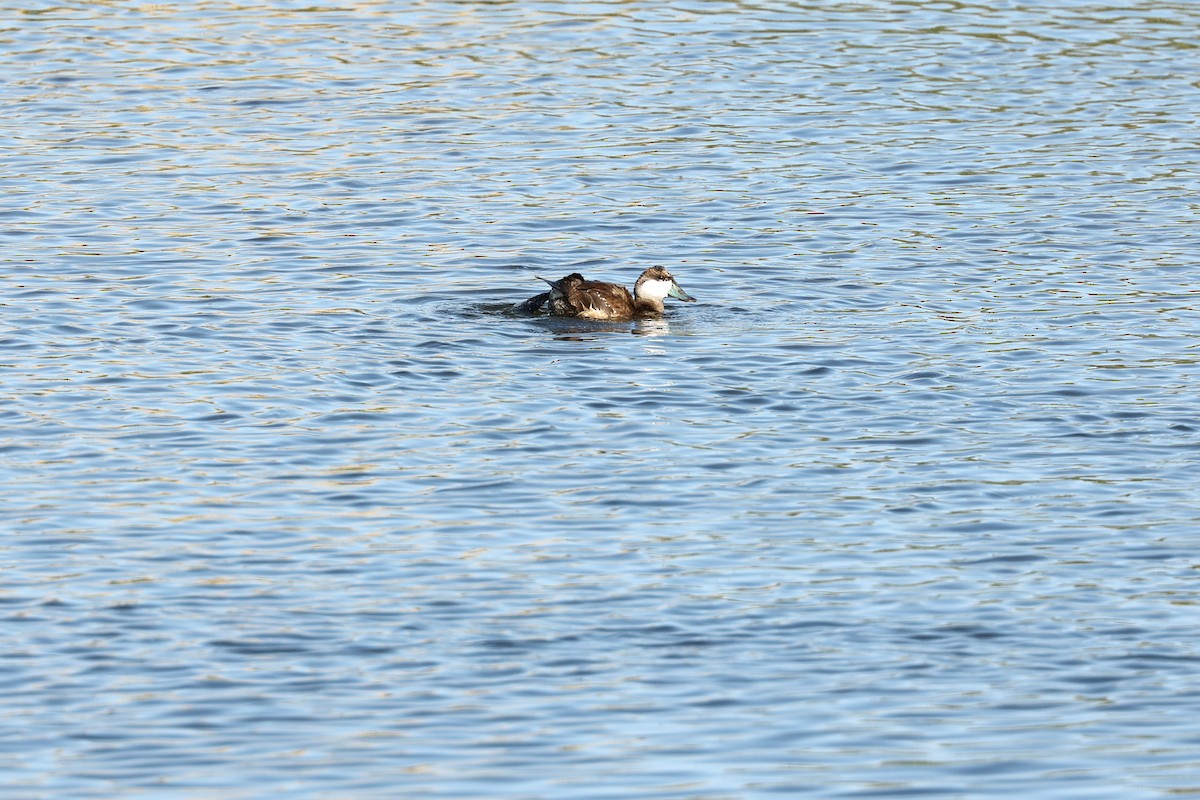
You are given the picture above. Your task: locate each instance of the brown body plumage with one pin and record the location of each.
(576, 296)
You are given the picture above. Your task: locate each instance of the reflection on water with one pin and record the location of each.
(295, 502)
(652, 327)
(582, 330)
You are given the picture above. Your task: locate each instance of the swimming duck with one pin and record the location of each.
(575, 296)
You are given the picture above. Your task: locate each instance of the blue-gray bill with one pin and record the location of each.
(679, 294)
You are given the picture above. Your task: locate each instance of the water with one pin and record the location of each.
(295, 507)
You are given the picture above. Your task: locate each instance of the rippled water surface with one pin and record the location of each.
(294, 505)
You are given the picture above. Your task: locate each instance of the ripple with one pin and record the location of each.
(296, 499)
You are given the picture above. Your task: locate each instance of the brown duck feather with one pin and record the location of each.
(575, 296)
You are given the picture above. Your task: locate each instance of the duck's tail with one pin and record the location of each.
(534, 304)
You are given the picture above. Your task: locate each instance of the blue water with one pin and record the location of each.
(294, 505)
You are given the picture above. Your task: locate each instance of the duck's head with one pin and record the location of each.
(656, 283)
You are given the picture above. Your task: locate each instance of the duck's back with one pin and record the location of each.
(579, 297)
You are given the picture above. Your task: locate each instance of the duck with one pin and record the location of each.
(575, 296)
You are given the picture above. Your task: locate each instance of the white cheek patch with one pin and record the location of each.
(656, 289)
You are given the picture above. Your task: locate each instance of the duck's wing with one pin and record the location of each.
(599, 300)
